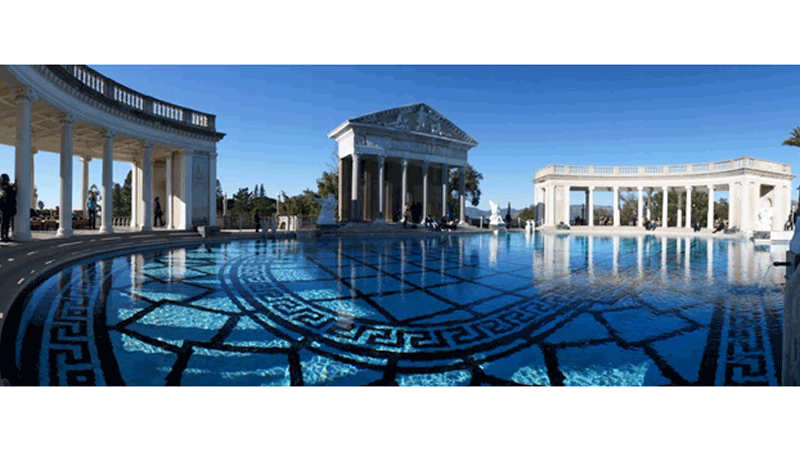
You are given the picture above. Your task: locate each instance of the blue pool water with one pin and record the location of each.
(452, 309)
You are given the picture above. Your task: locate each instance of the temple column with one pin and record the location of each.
(212, 189)
(550, 208)
(688, 206)
(354, 211)
(404, 189)
(168, 201)
(616, 206)
(341, 190)
(186, 188)
(640, 208)
(649, 203)
(85, 183)
(106, 218)
(381, 189)
(425, 167)
(566, 204)
(731, 194)
(22, 160)
(462, 172)
(135, 196)
(34, 206)
(745, 209)
(147, 187)
(445, 179)
(710, 207)
(65, 217)
(590, 206)
(664, 203)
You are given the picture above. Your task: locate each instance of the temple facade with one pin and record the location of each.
(73, 111)
(759, 191)
(398, 157)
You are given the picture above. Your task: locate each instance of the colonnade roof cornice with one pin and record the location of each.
(405, 155)
(672, 180)
(72, 95)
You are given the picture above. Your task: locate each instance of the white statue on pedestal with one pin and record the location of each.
(328, 214)
(496, 220)
(529, 226)
(764, 218)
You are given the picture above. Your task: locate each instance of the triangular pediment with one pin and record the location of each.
(419, 118)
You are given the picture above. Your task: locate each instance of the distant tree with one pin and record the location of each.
(263, 193)
(472, 189)
(220, 197)
(721, 209)
(328, 184)
(264, 205)
(528, 213)
(301, 205)
(121, 197)
(241, 203)
(794, 138)
(41, 204)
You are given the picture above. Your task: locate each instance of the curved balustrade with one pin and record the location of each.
(109, 90)
(676, 169)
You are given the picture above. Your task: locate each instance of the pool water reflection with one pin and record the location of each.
(452, 309)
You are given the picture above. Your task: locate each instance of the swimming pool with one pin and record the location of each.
(450, 309)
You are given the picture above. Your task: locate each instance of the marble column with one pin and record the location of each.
(341, 191)
(745, 208)
(168, 208)
(355, 191)
(445, 179)
(616, 206)
(550, 208)
(425, 167)
(381, 189)
(566, 204)
(34, 206)
(664, 203)
(147, 186)
(65, 217)
(85, 183)
(649, 203)
(590, 206)
(710, 207)
(731, 193)
(462, 172)
(212, 189)
(688, 206)
(186, 189)
(106, 218)
(136, 197)
(640, 208)
(404, 189)
(22, 160)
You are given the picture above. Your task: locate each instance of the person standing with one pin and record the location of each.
(257, 220)
(158, 215)
(8, 206)
(91, 206)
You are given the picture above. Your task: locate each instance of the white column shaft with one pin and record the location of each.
(688, 206)
(212, 189)
(85, 183)
(424, 192)
(147, 187)
(616, 206)
(186, 190)
(22, 161)
(590, 206)
(731, 196)
(168, 201)
(355, 210)
(566, 204)
(640, 209)
(106, 225)
(710, 220)
(664, 203)
(381, 190)
(462, 194)
(65, 216)
(445, 179)
(135, 196)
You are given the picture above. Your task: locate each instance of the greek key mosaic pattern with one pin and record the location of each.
(440, 310)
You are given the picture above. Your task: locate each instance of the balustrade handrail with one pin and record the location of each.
(655, 171)
(129, 99)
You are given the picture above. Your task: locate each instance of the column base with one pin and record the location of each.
(145, 228)
(21, 236)
(63, 232)
(380, 221)
(106, 230)
(464, 225)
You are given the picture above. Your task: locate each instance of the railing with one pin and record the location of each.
(121, 221)
(133, 100)
(711, 167)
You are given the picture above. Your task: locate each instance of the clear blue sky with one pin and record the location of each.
(524, 117)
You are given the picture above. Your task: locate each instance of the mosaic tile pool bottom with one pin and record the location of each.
(439, 310)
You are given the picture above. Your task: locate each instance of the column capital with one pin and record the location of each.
(665, 188)
(425, 165)
(710, 187)
(382, 159)
(405, 162)
(24, 93)
(85, 159)
(462, 169)
(689, 188)
(356, 156)
(34, 150)
(109, 134)
(591, 188)
(640, 188)
(67, 119)
(148, 145)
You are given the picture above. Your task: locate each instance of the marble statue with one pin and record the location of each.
(764, 222)
(496, 220)
(328, 214)
(529, 226)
